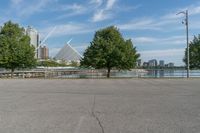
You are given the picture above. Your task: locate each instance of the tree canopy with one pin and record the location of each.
(15, 49)
(110, 50)
(51, 63)
(194, 53)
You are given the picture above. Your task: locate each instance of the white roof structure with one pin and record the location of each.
(68, 53)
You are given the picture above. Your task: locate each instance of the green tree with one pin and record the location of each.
(15, 49)
(74, 64)
(194, 53)
(109, 50)
(51, 63)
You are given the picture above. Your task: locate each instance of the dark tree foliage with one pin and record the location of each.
(110, 50)
(194, 53)
(50, 63)
(15, 49)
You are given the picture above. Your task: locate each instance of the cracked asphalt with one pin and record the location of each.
(100, 106)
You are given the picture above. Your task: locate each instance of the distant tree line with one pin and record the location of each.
(53, 63)
(50, 63)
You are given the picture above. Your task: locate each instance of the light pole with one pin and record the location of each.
(187, 38)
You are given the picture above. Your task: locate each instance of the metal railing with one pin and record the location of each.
(90, 73)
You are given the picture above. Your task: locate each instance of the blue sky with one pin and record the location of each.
(153, 25)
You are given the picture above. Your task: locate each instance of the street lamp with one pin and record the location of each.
(187, 38)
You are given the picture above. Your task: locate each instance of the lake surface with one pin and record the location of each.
(158, 73)
(136, 74)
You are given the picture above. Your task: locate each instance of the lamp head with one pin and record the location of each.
(181, 13)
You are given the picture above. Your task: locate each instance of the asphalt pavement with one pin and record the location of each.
(100, 106)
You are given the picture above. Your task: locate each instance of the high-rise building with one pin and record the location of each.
(43, 52)
(34, 36)
(171, 64)
(145, 64)
(161, 63)
(153, 63)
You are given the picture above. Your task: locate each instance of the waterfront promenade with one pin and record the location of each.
(100, 106)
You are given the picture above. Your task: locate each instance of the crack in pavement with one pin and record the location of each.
(95, 116)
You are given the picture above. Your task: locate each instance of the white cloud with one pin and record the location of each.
(144, 40)
(68, 7)
(72, 7)
(167, 22)
(150, 24)
(142, 24)
(104, 13)
(71, 10)
(172, 16)
(100, 15)
(173, 40)
(26, 8)
(110, 4)
(97, 2)
(162, 53)
(68, 29)
(192, 10)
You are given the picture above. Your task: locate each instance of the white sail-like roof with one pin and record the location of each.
(68, 53)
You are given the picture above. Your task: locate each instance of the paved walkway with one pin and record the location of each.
(100, 106)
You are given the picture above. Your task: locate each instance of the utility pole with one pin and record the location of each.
(186, 22)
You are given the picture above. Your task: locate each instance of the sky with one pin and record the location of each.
(155, 29)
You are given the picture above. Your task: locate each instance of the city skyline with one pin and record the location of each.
(153, 26)
(155, 63)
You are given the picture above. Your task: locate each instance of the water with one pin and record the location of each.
(137, 74)
(158, 74)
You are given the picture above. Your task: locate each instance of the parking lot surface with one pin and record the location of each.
(100, 106)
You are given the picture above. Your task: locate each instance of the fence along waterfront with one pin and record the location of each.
(90, 73)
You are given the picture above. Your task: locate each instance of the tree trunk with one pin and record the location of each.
(108, 73)
(12, 72)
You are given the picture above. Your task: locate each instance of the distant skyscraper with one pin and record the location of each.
(43, 52)
(161, 63)
(171, 64)
(145, 64)
(153, 63)
(34, 36)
